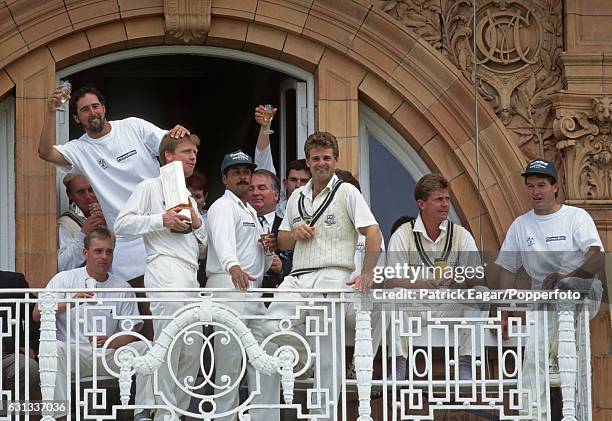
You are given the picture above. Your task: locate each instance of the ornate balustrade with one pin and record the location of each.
(323, 325)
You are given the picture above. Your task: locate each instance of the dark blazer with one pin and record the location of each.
(10, 280)
(273, 280)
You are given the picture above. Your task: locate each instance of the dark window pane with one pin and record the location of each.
(391, 187)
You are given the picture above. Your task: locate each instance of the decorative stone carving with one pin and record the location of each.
(187, 20)
(518, 44)
(582, 128)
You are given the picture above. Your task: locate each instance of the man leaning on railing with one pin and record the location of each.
(559, 247)
(85, 338)
(321, 225)
(433, 241)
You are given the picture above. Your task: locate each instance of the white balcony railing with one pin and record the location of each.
(324, 325)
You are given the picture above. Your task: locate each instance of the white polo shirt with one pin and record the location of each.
(233, 238)
(104, 321)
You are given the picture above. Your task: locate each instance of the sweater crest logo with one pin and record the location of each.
(330, 219)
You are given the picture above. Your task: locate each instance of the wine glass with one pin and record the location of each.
(267, 117)
(264, 236)
(66, 89)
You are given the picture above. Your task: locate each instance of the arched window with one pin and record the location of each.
(389, 170)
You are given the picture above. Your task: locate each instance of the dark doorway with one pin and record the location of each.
(213, 97)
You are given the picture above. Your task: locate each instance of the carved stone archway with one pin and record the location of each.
(367, 55)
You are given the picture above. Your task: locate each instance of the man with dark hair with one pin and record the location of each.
(72, 227)
(433, 242)
(263, 196)
(84, 330)
(172, 257)
(559, 247)
(114, 155)
(297, 173)
(321, 225)
(197, 185)
(236, 258)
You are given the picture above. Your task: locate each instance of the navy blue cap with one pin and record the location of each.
(541, 166)
(236, 158)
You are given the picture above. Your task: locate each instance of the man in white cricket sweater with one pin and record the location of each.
(432, 241)
(172, 262)
(321, 225)
(236, 259)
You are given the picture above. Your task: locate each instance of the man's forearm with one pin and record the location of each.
(593, 264)
(47, 136)
(285, 241)
(373, 240)
(122, 340)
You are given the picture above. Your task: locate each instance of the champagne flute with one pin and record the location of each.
(264, 236)
(267, 118)
(66, 89)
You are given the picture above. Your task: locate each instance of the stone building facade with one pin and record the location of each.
(542, 86)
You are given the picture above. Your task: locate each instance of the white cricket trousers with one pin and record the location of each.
(228, 359)
(182, 360)
(328, 362)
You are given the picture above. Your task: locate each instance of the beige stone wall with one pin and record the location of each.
(367, 56)
(408, 60)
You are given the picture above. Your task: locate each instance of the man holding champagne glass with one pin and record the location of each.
(72, 227)
(114, 155)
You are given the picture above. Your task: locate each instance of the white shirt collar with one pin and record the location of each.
(231, 196)
(307, 191)
(270, 218)
(419, 227)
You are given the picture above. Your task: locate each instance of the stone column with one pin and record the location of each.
(582, 134)
(35, 208)
(337, 80)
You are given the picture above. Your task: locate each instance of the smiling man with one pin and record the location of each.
(430, 241)
(264, 194)
(321, 224)
(172, 257)
(114, 155)
(559, 247)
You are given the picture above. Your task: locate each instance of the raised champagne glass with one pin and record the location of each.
(66, 89)
(267, 118)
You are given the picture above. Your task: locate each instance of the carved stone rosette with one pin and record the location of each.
(582, 130)
(187, 20)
